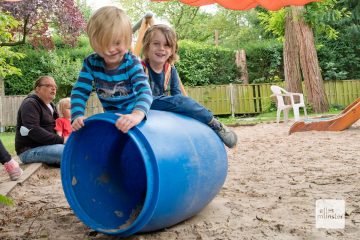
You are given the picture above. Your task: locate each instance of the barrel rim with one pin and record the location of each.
(152, 181)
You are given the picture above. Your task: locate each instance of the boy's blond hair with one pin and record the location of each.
(61, 106)
(170, 37)
(107, 25)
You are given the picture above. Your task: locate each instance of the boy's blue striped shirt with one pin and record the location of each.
(119, 90)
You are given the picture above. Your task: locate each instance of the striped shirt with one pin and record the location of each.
(119, 90)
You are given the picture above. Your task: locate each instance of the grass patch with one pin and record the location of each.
(8, 139)
(6, 201)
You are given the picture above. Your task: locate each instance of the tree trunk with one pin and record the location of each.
(2, 93)
(2, 87)
(216, 38)
(292, 69)
(309, 63)
(242, 65)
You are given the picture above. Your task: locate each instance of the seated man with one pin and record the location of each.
(35, 139)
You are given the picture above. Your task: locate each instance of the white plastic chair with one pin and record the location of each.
(280, 95)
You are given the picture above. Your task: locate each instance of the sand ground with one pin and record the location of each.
(273, 182)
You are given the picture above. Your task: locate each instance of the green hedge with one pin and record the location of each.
(63, 64)
(264, 61)
(202, 64)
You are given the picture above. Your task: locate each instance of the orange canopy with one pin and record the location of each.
(246, 4)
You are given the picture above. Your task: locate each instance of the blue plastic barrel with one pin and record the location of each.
(160, 173)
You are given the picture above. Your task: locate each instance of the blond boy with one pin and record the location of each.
(119, 79)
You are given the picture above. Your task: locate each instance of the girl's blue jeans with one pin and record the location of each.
(182, 105)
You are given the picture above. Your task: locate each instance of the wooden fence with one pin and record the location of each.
(220, 99)
(9, 106)
(255, 98)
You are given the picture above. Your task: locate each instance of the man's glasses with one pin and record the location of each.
(48, 86)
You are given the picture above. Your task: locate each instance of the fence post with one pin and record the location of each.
(232, 100)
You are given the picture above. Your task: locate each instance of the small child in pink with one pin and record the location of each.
(63, 124)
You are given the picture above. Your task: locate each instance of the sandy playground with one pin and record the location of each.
(273, 182)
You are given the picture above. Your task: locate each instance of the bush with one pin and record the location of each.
(202, 64)
(339, 61)
(63, 64)
(264, 61)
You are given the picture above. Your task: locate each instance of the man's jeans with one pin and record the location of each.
(50, 154)
(182, 105)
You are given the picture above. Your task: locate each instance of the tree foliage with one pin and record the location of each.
(191, 23)
(341, 57)
(40, 18)
(84, 9)
(180, 16)
(274, 22)
(319, 15)
(350, 27)
(7, 22)
(239, 27)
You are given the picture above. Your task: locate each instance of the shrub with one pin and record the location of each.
(264, 61)
(63, 64)
(201, 64)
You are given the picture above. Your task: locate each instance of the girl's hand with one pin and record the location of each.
(126, 121)
(78, 123)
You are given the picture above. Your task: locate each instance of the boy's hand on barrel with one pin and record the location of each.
(78, 123)
(126, 121)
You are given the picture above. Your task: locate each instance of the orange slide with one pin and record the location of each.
(337, 123)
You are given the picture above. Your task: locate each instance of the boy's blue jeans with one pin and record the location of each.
(50, 154)
(182, 105)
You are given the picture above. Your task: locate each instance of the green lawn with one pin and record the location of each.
(8, 139)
